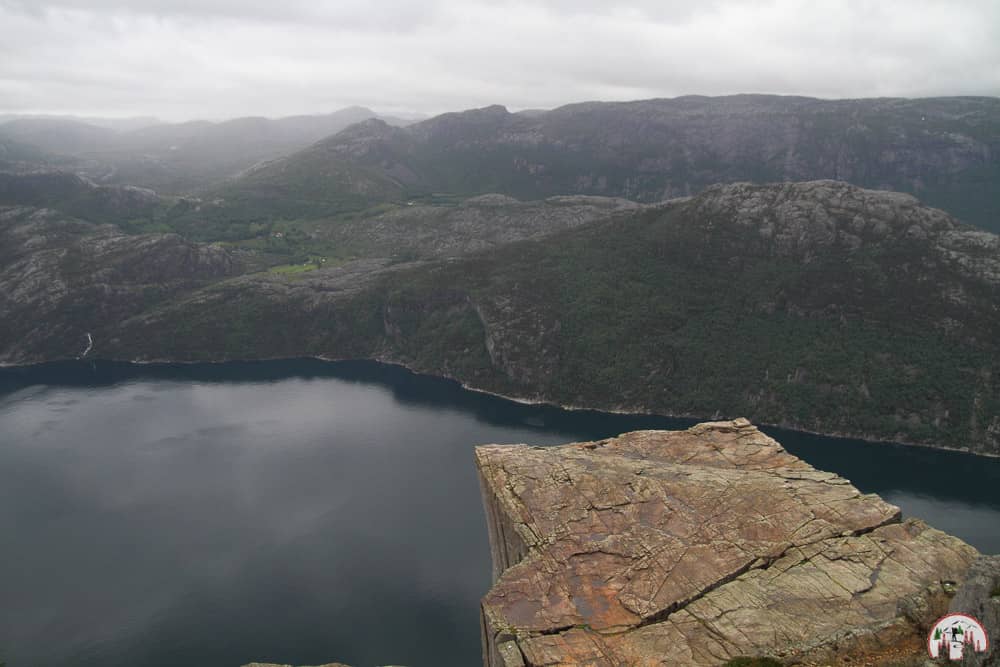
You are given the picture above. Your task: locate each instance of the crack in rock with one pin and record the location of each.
(730, 546)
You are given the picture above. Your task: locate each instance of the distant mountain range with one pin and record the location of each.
(944, 150)
(172, 158)
(124, 124)
(671, 256)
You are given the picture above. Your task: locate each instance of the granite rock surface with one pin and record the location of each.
(693, 547)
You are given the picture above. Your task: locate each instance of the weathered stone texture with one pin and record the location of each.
(692, 547)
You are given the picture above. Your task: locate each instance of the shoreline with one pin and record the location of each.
(639, 412)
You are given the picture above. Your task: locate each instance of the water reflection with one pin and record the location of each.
(300, 511)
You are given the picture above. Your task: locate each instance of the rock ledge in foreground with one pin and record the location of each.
(693, 547)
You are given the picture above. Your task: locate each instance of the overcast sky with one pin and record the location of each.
(180, 59)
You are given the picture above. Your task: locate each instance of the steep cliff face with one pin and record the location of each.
(693, 547)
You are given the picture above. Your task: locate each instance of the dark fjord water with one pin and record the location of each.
(301, 511)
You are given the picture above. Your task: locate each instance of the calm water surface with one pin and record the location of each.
(301, 511)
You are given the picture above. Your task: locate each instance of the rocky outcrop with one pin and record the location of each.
(478, 224)
(808, 220)
(693, 547)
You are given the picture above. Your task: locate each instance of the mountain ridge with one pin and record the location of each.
(945, 150)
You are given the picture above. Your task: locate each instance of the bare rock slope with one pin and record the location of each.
(693, 547)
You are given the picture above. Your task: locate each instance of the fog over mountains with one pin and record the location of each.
(944, 150)
(170, 157)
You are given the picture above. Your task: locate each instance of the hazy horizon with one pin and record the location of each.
(182, 60)
(414, 116)
(153, 118)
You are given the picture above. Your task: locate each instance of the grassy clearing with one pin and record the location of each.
(292, 269)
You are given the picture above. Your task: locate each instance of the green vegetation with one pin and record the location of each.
(651, 312)
(664, 311)
(438, 331)
(279, 238)
(676, 310)
(292, 269)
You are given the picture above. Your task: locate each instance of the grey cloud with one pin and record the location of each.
(346, 14)
(220, 58)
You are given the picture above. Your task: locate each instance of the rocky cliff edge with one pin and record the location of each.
(693, 547)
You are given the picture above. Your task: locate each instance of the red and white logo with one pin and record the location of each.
(955, 634)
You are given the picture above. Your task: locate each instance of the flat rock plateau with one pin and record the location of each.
(693, 547)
